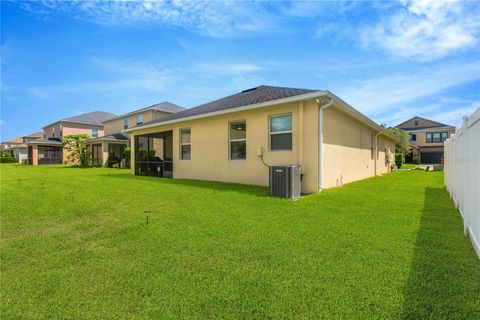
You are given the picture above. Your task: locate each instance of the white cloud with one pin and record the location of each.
(426, 29)
(215, 18)
(388, 93)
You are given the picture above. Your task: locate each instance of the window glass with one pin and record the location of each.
(238, 140)
(185, 144)
(238, 150)
(185, 135)
(281, 141)
(281, 123)
(125, 123)
(412, 137)
(94, 132)
(139, 119)
(436, 137)
(186, 152)
(429, 137)
(238, 130)
(444, 136)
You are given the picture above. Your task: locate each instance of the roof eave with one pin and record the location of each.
(76, 122)
(137, 111)
(308, 96)
(301, 97)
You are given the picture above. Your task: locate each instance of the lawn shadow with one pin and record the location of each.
(214, 186)
(441, 282)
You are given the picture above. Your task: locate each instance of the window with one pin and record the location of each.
(94, 132)
(416, 122)
(444, 136)
(53, 132)
(125, 123)
(281, 132)
(185, 144)
(429, 137)
(238, 140)
(139, 119)
(412, 137)
(61, 131)
(44, 134)
(436, 136)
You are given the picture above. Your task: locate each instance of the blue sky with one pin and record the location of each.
(391, 60)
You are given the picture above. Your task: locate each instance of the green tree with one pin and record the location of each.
(75, 146)
(402, 144)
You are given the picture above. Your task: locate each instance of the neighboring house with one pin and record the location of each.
(108, 148)
(234, 138)
(18, 147)
(426, 137)
(49, 149)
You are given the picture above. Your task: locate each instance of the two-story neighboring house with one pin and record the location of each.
(107, 149)
(18, 147)
(426, 137)
(49, 149)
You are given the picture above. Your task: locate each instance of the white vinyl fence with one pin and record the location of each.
(462, 174)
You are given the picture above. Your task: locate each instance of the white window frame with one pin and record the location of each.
(270, 133)
(185, 143)
(230, 140)
(96, 132)
(139, 116)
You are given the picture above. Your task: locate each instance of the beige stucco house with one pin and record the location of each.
(427, 138)
(18, 147)
(107, 149)
(235, 138)
(49, 149)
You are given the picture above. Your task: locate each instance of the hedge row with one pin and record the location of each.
(8, 160)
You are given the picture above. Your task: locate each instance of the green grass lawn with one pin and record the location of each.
(75, 245)
(409, 166)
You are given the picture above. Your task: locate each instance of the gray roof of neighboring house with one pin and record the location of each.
(162, 107)
(46, 141)
(94, 118)
(244, 98)
(112, 137)
(444, 127)
(433, 125)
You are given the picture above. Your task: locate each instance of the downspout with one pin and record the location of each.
(320, 140)
(375, 156)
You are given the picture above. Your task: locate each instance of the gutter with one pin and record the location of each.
(320, 140)
(376, 153)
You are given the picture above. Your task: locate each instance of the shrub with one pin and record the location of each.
(8, 160)
(399, 160)
(127, 151)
